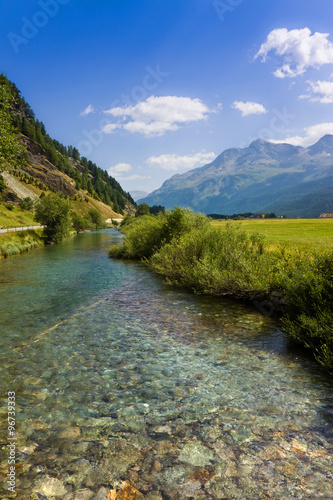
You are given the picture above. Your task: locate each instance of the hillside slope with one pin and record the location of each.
(43, 164)
(263, 177)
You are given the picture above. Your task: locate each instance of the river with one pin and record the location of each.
(119, 377)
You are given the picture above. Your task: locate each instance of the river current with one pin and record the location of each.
(130, 388)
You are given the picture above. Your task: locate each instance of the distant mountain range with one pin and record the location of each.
(136, 195)
(264, 177)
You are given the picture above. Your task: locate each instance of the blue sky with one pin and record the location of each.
(150, 88)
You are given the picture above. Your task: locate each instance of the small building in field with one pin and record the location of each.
(326, 214)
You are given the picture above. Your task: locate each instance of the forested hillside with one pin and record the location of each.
(28, 155)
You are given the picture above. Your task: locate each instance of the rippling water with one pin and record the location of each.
(123, 383)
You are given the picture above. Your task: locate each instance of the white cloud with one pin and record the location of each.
(299, 49)
(89, 109)
(120, 170)
(110, 128)
(311, 135)
(173, 162)
(157, 115)
(320, 91)
(249, 108)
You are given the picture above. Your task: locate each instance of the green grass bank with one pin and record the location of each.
(19, 242)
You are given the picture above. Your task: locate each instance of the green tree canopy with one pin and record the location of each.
(79, 222)
(53, 212)
(96, 218)
(143, 209)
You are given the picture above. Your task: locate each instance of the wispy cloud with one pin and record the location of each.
(121, 171)
(249, 108)
(110, 128)
(299, 49)
(310, 135)
(157, 115)
(120, 168)
(89, 109)
(319, 91)
(173, 162)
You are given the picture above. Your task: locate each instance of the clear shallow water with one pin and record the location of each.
(119, 377)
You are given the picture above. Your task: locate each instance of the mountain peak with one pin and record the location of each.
(324, 145)
(259, 142)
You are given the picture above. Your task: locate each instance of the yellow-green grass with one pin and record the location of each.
(82, 207)
(15, 217)
(301, 234)
(21, 241)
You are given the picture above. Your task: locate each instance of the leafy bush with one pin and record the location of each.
(79, 223)
(27, 203)
(146, 234)
(230, 262)
(309, 316)
(96, 218)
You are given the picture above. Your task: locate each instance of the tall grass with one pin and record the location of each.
(16, 243)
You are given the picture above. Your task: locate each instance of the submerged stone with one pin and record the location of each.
(50, 487)
(196, 454)
(129, 492)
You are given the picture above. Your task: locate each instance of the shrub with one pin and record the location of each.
(309, 316)
(79, 223)
(96, 218)
(27, 204)
(231, 262)
(146, 234)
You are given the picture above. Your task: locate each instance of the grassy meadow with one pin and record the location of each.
(302, 234)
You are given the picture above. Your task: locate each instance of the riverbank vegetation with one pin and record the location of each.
(54, 213)
(19, 242)
(188, 251)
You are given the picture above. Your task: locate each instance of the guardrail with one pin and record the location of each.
(23, 228)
